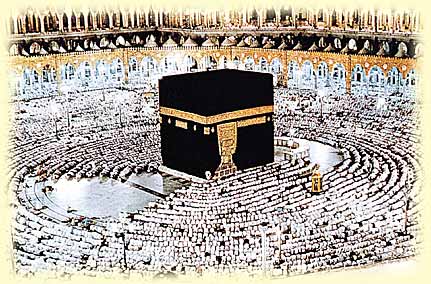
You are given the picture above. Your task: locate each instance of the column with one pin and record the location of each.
(60, 22)
(161, 19)
(15, 25)
(417, 28)
(148, 22)
(78, 21)
(69, 23)
(346, 19)
(214, 17)
(402, 22)
(86, 21)
(42, 25)
(293, 17)
(36, 24)
(156, 13)
(277, 17)
(8, 27)
(410, 23)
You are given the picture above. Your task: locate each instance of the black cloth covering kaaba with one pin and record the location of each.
(216, 121)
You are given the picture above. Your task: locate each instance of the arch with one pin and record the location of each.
(307, 78)
(36, 23)
(48, 74)
(223, 62)
(358, 81)
(29, 83)
(120, 41)
(105, 20)
(337, 43)
(411, 83)
(276, 66)
(322, 74)
(104, 42)
(208, 63)
(236, 62)
(73, 22)
(149, 67)
(352, 44)
(49, 79)
(65, 22)
(133, 64)
(115, 20)
(376, 81)
(98, 21)
(339, 78)
(249, 64)
(84, 74)
(263, 64)
(169, 65)
(13, 50)
(54, 22)
(81, 21)
(129, 20)
(90, 21)
(54, 46)
(101, 71)
(393, 81)
(34, 48)
(133, 74)
(45, 23)
(68, 72)
(189, 64)
(276, 69)
(293, 74)
(117, 71)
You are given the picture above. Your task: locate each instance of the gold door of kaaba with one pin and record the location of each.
(227, 137)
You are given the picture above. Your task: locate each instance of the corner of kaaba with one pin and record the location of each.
(216, 122)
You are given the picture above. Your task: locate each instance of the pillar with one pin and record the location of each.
(60, 22)
(42, 25)
(15, 25)
(69, 23)
(402, 22)
(86, 21)
(215, 18)
(417, 27)
(111, 20)
(277, 17)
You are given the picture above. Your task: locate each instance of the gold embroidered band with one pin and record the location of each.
(205, 120)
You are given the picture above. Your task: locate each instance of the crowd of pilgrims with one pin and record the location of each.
(260, 220)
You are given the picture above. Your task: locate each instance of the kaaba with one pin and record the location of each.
(216, 122)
